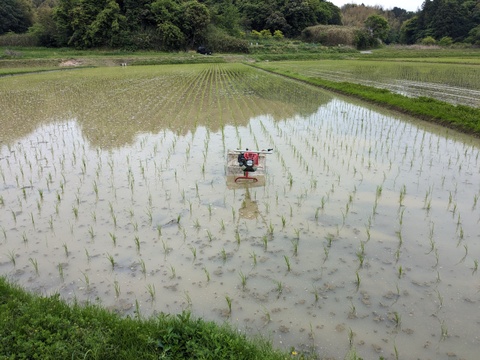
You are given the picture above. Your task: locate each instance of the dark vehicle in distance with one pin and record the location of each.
(204, 50)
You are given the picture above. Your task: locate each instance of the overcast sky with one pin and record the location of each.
(409, 5)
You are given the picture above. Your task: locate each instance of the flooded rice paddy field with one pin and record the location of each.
(364, 233)
(453, 83)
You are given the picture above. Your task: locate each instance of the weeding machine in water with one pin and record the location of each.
(242, 163)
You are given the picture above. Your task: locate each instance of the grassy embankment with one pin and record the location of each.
(47, 328)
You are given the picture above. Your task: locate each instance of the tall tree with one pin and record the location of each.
(15, 15)
(195, 19)
(377, 26)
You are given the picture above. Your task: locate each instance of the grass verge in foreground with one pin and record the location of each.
(47, 328)
(458, 117)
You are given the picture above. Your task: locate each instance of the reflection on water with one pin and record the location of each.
(112, 106)
(364, 233)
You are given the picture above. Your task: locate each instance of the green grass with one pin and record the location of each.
(48, 328)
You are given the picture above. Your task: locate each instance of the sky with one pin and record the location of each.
(409, 5)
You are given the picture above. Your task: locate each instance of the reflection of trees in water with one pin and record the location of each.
(112, 105)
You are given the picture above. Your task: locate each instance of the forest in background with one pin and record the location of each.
(231, 25)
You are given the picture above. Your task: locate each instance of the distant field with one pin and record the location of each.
(456, 84)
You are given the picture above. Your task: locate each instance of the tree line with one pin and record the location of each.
(226, 24)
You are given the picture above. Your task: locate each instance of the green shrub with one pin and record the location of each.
(445, 41)
(364, 40)
(255, 34)
(266, 33)
(428, 40)
(219, 41)
(277, 34)
(330, 35)
(12, 39)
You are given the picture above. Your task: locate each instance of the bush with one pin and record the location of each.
(266, 33)
(255, 34)
(330, 35)
(445, 41)
(12, 39)
(220, 41)
(277, 34)
(364, 40)
(428, 41)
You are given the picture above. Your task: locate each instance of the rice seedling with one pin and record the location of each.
(116, 286)
(25, 237)
(475, 266)
(243, 279)
(287, 262)
(65, 249)
(188, 299)
(113, 237)
(86, 280)
(4, 232)
(265, 242)
(443, 331)
(61, 272)
(361, 258)
(229, 304)
(137, 243)
(396, 318)
(357, 280)
(173, 273)
(34, 264)
(297, 234)
(224, 255)
(400, 272)
(91, 232)
(151, 291)
(193, 249)
(75, 212)
(295, 243)
(279, 287)
(207, 274)
(111, 259)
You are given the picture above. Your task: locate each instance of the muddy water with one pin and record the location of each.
(364, 232)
